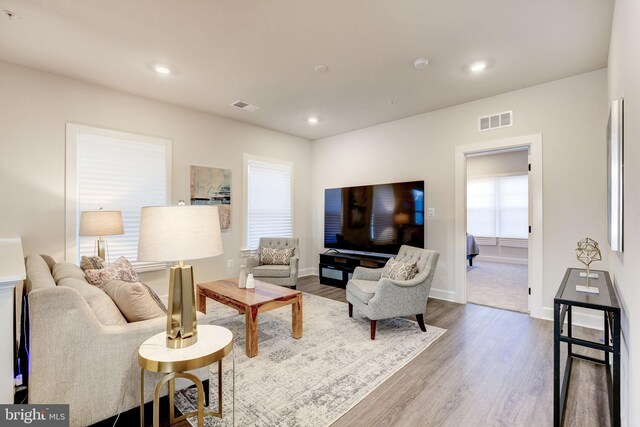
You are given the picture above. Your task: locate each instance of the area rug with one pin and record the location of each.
(311, 381)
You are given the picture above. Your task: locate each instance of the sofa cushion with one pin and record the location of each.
(38, 273)
(273, 256)
(120, 269)
(63, 270)
(399, 270)
(364, 290)
(271, 271)
(136, 301)
(105, 310)
(91, 263)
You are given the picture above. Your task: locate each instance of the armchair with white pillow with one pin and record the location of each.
(401, 288)
(276, 261)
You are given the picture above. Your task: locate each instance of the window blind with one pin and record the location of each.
(269, 201)
(498, 210)
(481, 207)
(117, 173)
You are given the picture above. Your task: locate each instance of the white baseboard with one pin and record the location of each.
(587, 320)
(313, 271)
(489, 258)
(442, 294)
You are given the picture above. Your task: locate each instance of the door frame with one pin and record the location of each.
(535, 267)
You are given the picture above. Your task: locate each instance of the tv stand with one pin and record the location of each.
(336, 268)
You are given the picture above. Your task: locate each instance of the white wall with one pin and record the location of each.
(497, 164)
(570, 113)
(34, 110)
(624, 69)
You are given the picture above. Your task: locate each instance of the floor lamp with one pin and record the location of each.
(178, 233)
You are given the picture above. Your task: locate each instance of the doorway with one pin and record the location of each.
(497, 228)
(533, 144)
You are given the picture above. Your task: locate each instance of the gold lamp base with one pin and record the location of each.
(101, 243)
(181, 313)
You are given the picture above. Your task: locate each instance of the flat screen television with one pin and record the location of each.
(374, 218)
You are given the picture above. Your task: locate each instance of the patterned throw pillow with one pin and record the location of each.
(91, 263)
(273, 256)
(120, 269)
(399, 270)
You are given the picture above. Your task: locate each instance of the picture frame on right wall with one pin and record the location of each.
(615, 174)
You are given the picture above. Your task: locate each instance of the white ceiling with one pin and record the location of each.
(264, 52)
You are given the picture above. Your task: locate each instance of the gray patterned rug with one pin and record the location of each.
(311, 381)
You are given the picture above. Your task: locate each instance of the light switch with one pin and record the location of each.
(431, 212)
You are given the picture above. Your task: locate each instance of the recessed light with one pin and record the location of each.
(421, 63)
(313, 120)
(162, 69)
(479, 66)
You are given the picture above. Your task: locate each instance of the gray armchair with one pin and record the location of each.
(283, 275)
(383, 298)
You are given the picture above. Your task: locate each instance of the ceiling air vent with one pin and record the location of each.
(496, 121)
(246, 106)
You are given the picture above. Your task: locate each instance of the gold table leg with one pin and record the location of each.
(141, 397)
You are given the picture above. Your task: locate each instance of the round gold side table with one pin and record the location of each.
(214, 343)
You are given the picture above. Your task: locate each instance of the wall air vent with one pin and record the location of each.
(246, 106)
(495, 121)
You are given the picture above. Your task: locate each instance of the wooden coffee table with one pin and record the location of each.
(250, 302)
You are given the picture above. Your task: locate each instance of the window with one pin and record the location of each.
(497, 208)
(114, 171)
(268, 199)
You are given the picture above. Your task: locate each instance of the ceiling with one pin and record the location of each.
(264, 52)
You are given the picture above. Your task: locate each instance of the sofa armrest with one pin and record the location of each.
(363, 273)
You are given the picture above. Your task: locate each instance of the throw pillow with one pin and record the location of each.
(273, 256)
(399, 270)
(119, 269)
(136, 301)
(91, 262)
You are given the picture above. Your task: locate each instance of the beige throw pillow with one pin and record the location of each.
(273, 256)
(399, 270)
(136, 301)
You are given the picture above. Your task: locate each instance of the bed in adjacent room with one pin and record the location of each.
(472, 249)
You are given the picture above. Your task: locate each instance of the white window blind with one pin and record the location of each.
(498, 208)
(481, 207)
(269, 200)
(120, 173)
(513, 207)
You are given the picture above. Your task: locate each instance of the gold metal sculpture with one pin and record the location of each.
(588, 252)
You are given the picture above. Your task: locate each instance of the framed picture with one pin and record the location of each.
(212, 186)
(615, 174)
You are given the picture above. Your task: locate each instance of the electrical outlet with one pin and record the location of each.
(229, 263)
(431, 212)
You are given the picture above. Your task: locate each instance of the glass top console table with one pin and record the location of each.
(607, 302)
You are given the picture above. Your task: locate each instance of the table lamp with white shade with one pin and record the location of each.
(101, 223)
(179, 233)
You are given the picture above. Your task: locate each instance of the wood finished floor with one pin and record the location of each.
(491, 368)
